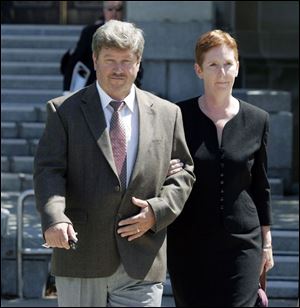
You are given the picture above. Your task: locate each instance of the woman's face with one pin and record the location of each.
(219, 69)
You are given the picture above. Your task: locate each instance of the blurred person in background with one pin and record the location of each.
(81, 58)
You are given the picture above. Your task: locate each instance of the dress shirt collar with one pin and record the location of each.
(106, 99)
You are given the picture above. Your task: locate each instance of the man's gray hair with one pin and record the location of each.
(119, 34)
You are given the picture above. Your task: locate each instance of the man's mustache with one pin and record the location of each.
(118, 75)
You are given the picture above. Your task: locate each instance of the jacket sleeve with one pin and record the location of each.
(50, 168)
(260, 188)
(177, 187)
(79, 54)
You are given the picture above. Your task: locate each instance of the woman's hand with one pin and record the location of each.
(267, 259)
(175, 166)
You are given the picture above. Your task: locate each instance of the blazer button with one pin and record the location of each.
(222, 174)
(117, 188)
(221, 182)
(221, 199)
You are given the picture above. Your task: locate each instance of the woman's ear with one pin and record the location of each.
(198, 70)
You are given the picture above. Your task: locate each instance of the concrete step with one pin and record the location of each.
(285, 240)
(35, 274)
(285, 265)
(32, 82)
(285, 213)
(18, 147)
(269, 100)
(21, 130)
(276, 288)
(31, 41)
(5, 164)
(15, 147)
(16, 182)
(35, 267)
(31, 130)
(17, 164)
(31, 55)
(278, 302)
(9, 130)
(282, 289)
(30, 68)
(21, 164)
(167, 301)
(23, 113)
(28, 96)
(277, 188)
(41, 30)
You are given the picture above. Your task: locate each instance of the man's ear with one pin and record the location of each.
(94, 60)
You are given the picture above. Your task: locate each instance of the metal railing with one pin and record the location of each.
(20, 249)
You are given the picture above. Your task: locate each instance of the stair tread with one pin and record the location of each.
(32, 77)
(41, 38)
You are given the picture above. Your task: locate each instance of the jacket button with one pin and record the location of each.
(222, 174)
(117, 188)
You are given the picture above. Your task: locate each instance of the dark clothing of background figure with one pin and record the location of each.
(214, 246)
(83, 52)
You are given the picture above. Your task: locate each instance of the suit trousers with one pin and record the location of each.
(117, 290)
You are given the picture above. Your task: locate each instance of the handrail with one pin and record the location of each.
(20, 250)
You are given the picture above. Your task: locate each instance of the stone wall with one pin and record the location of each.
(171, 29)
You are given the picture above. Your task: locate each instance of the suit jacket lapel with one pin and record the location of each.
(94, 114)
(146, 113)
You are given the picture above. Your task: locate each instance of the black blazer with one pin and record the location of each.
(231, 188)
(83, 53)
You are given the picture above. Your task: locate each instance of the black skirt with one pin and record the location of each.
(214, 270)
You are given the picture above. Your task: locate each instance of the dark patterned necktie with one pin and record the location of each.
(118, 141)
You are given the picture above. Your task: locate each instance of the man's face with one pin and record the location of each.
(116, 70)
(113, 10)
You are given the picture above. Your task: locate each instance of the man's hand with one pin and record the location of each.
(135, 226)
(59, 234)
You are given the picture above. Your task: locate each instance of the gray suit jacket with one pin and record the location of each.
(75, 181)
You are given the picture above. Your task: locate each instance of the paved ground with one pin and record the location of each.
(52, 302)
(167, 302)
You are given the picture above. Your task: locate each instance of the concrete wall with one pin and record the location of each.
(171, 29)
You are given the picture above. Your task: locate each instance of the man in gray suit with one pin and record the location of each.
(101, 171)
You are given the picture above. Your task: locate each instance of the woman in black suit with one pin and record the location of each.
(220, 243)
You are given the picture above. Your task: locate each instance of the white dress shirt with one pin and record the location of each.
(130, 118)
